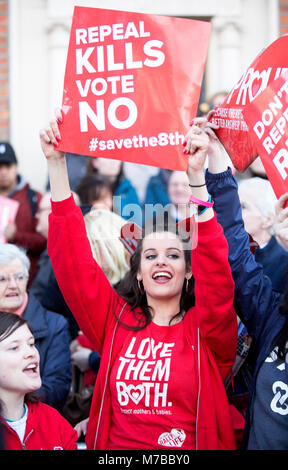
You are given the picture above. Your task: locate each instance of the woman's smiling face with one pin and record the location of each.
(162, 267)
(19, 363)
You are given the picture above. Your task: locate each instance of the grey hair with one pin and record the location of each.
(265, 199)
(9, 252)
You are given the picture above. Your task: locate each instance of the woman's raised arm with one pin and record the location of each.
(56, 161)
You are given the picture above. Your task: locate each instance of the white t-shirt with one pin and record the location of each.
(19, 425)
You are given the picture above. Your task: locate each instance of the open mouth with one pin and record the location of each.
(32, 369)
(162, 276)
(12, 295)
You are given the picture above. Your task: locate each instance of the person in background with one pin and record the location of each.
(44, 285)
(94, 190)
(50, 330)
(124, 194)
(178, 207)
(215, 100)
(27, 423)
(23, 231)
(179, 193)
(281, 221)
(258, 203)
(157, 188)
(45, 270)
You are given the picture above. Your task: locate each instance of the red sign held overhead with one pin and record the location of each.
(267, 118)
(233, 130)
(132, 85)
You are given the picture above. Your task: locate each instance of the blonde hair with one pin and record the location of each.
(103, 228)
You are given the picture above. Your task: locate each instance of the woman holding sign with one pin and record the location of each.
(262, 310)
(164, 345)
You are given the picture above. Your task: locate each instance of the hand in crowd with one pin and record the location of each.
(196, 145)
(81, 427)
(281, 221)
(80, 357)
(10, 232)
(50, 137)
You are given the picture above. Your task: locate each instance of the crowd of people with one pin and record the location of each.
(150, 335)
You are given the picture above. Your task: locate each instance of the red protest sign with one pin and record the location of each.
(233, 130)
(267, 118)
(8, 211)
(132, 85)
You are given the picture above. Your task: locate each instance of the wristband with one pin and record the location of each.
(197, 185)
(198, 202)
(204, 209)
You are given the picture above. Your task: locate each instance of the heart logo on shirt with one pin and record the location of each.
(175, 438)
(135, 392)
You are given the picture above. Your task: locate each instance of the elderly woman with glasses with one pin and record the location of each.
(50, 329)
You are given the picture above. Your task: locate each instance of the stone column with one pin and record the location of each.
(58, 40)
(225, 57)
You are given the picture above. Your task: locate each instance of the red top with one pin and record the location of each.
(210, 327)
(46, 429)
(154, 391)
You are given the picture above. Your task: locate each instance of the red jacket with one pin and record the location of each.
(211, 325)
(26, 235)
(46, 429)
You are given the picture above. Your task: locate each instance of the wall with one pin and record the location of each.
(283, 16)
(4, 71)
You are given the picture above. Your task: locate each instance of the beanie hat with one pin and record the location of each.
(7, 154)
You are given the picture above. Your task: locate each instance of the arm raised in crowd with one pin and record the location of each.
(84, 286)
(56, 161)
(210, 266)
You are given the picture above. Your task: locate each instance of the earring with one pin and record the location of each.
(140, 288)
(187, 285)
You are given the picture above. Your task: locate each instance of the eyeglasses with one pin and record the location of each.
(18, 277)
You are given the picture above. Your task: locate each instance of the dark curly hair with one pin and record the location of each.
(10, 322)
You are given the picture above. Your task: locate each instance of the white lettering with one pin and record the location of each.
(281, 162)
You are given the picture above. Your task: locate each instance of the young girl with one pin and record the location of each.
(26, 422)
(163, 362)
